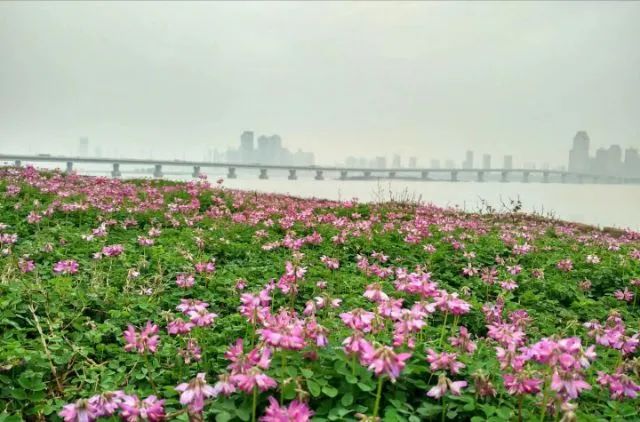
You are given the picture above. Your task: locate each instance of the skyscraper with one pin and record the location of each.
(246, 146)
(631, 163)
(468, 161)
(486, 161)
(508, 162)
(396, 163)
(413, 162)
(579, 160)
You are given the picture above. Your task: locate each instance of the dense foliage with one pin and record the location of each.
(151, 300)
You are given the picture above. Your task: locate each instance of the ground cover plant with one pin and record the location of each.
(153, 300)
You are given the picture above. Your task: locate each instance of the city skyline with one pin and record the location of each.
(611, 161)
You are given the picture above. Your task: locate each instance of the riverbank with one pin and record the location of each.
(194, 301)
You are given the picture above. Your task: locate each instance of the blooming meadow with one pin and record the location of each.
(154, 300)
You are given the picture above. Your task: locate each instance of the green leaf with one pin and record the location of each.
(330, 391)
(314, 388)
(365, 387)
(347, 399)
(223, 416)
(307, 373)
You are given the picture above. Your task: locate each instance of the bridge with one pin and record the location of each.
(343, 173)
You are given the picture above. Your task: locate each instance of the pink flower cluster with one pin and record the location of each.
(129, 407)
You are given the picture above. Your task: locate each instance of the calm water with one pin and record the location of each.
(602, 205)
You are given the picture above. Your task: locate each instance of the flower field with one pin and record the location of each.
(154, 300)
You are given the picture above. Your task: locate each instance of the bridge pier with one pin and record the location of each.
(231, 173)
(454, 175)
(263, 174)
(292, 174)
(343, 174)
(545, 177)
(196, 172)
(69, 167)
(116, 170)
(392, 174)
(18, 163)
(367, 173)
(525, 176)
(157, 171)
(504, 177)
(424, 175)
(319, 175)
(481, 176)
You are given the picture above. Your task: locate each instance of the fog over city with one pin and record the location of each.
(337, 99)
(424, 79)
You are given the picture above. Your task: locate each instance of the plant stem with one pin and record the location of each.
(149, 371)
(444, 326)
(255, 403)
(378, 395)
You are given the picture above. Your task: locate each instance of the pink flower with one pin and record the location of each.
(385, 361)
(224, 386)
(521, 384)
(568, 384)
(146, 340)
(444, 360)
(68, 266)
(463, 341)
(509, 285)
(191, 352)
(565, 265)
(191, 305)
(26, 265)
(374, 293)
(150, 409)
(449, 302)
(283, 330)
(241, 284)
(185, 280)
(179, 326)
(620, 385)
(330, 263)
(253, 378)
(444, 385)
(296, 412)
(106, 404)
(202, 318)
(112, 250)
(145, 241)
(625, 295)
(205, 267)
(358, 319)
(195, 392)
(80, 411)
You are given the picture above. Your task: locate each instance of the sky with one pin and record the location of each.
(423, 79)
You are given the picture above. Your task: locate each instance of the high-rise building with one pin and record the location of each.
(449, 164)
(631, 163)
(468, 161)
(83, 147)
(380, 163)
(413, 162)
(396, 163)
(579, 160)
(246, 147)
(508, 162)
(614, 161)
(486, 161)
(435, 164)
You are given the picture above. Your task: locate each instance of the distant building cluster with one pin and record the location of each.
(605, 162)
(267, 150)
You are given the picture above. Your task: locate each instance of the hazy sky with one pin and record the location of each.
(426, 79)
